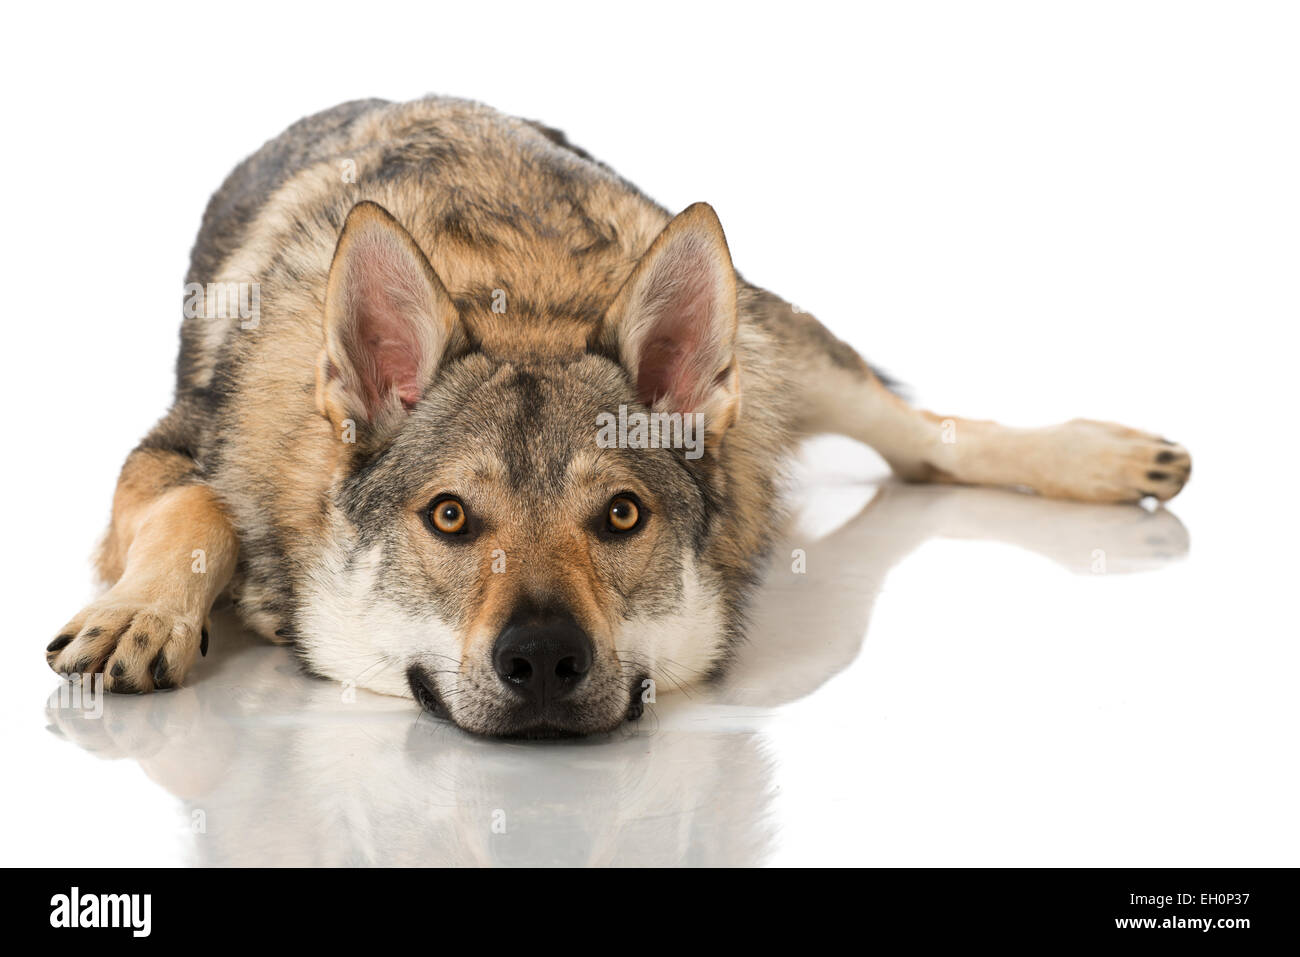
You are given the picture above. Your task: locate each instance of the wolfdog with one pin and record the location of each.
(460, 414)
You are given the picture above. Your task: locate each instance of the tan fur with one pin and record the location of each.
(1082, 459)
(171, 552)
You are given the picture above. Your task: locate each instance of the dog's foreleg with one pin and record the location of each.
(1081, 459)
(169, 552)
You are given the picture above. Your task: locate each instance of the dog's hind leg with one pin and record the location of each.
(1088, 461)
(169, 552)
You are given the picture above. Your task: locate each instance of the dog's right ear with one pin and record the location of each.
(388, 322)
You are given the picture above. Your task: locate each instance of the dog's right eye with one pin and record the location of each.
(447, 516)
(623, 514)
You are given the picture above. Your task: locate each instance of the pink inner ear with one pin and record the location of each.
(386, 348)
(662, 367)
(681, 344)
(395, 364)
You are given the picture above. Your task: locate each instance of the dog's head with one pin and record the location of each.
(514, 536)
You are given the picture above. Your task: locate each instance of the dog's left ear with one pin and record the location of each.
(673, 324)
(388, 322)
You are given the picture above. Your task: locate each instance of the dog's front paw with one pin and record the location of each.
(138, 645)
(1111, 463)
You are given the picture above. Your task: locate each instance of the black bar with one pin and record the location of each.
(1232, 908)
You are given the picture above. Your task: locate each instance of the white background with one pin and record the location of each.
(1028, 211)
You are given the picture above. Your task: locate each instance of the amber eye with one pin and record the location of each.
(448, 516)
(623, 514)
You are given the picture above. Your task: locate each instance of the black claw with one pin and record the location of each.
(81, 665)
(1165, 457)
(1158, 476)
(94, 632)
(159, 670)
(124, 686)
(203, 642)
(119, 669)
(59, 643)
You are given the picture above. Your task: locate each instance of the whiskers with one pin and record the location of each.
(382, 662)
(662, 671)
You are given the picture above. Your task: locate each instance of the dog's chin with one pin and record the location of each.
(562, 720)
(542, 731)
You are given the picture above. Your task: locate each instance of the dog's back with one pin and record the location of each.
(497, 203)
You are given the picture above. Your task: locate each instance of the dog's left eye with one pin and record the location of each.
(624, 514)
(447, 515)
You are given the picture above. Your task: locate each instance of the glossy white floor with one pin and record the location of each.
(961, 676)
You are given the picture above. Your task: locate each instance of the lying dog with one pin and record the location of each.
(461, 414)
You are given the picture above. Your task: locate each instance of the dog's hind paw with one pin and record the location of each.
(1104, 462)
(138, 645)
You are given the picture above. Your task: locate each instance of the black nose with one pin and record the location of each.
(542, 655)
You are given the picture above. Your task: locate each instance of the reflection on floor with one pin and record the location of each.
(272, 767)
